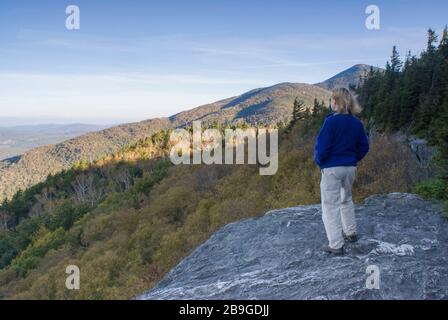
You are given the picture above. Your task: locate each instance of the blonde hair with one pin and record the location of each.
(344, 102)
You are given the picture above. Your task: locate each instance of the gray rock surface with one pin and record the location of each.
(277, 256)
(422, 150)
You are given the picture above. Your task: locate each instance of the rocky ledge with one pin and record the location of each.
(277, 256)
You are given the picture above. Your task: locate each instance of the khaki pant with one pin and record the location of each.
(338, 211)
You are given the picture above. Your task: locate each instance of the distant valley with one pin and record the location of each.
(16, 140)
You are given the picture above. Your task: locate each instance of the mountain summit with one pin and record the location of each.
(347, 78)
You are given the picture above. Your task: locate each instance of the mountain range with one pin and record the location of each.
(263, 105)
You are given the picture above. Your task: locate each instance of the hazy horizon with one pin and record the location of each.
(12, 122)
(136, 61)
(15, 121)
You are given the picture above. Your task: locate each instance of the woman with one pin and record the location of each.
(341, 143)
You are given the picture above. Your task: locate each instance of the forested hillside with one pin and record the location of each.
(259, 106)
(128, 219)
(412, 96)
(35, 165)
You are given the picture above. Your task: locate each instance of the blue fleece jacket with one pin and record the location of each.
(342, 141)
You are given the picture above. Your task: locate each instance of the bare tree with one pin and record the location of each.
(96, 195)
(123, 178)
(86, 190)
(83, 186)
(44, 202)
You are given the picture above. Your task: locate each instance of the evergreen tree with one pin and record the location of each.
(395, 61)
(432, 39)
(316, 108)
(412, 97)
(299, 113)
(297, 110)
(444, 40)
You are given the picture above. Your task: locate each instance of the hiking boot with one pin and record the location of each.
(350, 238)
(338, 252)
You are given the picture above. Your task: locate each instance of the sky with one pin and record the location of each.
(134, 60)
